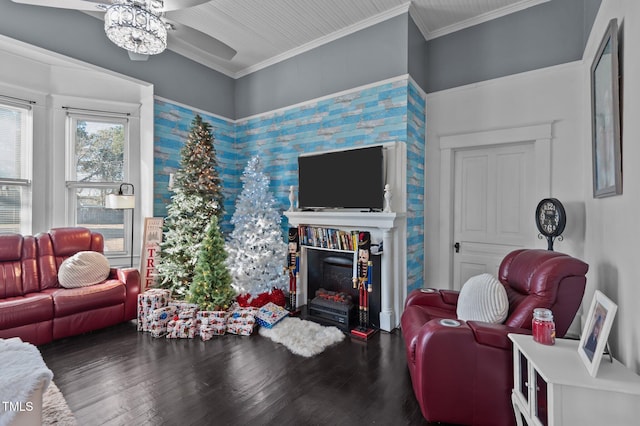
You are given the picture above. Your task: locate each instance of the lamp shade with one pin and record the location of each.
(114, 201)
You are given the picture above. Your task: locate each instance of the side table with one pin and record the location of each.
(552, 387)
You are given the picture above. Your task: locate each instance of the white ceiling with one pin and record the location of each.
(264, 32)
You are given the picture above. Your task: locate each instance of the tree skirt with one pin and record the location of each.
(304, 338)
(55, 410)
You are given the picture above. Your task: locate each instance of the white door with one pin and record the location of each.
(494, 205)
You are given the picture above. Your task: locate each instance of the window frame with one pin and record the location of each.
(73, 115)
(25, 181)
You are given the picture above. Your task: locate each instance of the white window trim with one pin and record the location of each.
(26, 172)
(63, 107)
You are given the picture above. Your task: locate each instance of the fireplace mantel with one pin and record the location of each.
(380, 220)
(391, 227)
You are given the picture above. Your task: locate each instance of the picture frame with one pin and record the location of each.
(596, 331)
(605, 116)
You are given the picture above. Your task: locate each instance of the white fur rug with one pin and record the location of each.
(55, 410)
(302, 337)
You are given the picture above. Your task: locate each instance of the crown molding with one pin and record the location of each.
(485, 17)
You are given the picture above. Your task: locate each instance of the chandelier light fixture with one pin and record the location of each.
(135, 25)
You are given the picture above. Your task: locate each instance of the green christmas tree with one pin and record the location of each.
(197, 198)
(198, 174)
(211, 288)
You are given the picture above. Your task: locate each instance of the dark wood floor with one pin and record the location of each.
(118, 376)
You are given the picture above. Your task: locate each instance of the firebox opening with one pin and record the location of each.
(333, 272)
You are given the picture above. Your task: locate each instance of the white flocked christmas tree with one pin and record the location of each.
(256, 247)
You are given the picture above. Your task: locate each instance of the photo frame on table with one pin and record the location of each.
(605, 116)
(596, 331)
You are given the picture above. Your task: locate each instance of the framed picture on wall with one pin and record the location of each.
(596, 331)
(605, 116)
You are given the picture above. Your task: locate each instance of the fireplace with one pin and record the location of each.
(390, 279)
(333, 271)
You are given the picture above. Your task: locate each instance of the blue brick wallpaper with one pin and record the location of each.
(416, 128)
(388, 112)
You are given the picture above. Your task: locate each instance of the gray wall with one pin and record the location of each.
(80, 36)
(548, 34)
(367, 56)
(591, 8)
(417, 47)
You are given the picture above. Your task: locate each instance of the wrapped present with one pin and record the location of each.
(159, 319)
(241, 329)
(154, 298)
(144, 320)
(270, 314)
(158, 329)
(148, 301)
(241, 321)
(189, 313)
(208, 331)
(181, 329)
(241, 318)
(182, 305)
(211, 317)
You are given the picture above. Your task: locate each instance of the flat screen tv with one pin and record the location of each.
(350, 179)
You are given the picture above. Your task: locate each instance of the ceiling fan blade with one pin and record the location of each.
(66, 4)
(180, 4)
(201, 41)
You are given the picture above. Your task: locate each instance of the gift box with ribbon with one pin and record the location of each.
(149, 301)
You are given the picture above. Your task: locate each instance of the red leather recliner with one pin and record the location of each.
(33, 305)
(464, 375)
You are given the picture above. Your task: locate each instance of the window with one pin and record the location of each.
(97, 164)
(15, 166)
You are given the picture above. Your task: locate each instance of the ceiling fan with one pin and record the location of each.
(143, 26)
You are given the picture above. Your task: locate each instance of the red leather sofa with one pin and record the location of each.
(464, 374)
(33, 305)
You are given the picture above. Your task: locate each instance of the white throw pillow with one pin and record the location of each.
(83, 269)
(483, 298)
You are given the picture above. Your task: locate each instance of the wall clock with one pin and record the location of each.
(550, 220)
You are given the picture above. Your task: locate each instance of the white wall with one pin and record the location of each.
(551, 95)
(543, 96)
(603, 232)
(612, 224)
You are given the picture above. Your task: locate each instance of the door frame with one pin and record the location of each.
(540, 135)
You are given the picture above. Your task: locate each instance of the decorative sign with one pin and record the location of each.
(150, 250)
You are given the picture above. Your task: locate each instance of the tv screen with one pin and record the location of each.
(342, 179)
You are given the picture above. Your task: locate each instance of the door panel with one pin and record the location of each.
(493, 206)
(474, 194)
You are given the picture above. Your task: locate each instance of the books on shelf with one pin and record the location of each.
(329, 238)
